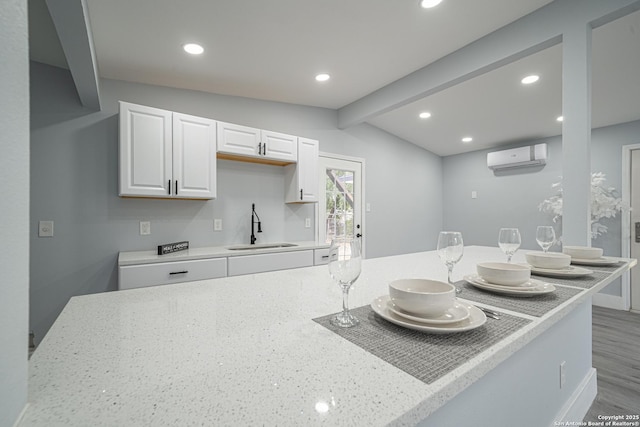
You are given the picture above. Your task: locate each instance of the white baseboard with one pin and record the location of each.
(21, 416)
(608, 301)
(580, 401)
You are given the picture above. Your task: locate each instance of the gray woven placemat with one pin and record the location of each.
(425, 356)
(533, 306)
(608, 268)
(584, 282)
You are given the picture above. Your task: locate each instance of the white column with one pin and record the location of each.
(576, 135)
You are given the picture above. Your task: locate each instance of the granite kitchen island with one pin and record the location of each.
(246, 350)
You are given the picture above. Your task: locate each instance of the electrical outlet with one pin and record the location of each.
(563, 373)
(217, 224)
(45, 229)
(307, 223)
(474, 194)
(145, 228)
(368, 207)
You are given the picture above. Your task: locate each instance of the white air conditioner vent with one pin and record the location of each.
(533, 155)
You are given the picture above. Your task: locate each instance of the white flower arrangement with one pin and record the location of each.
(604, 203)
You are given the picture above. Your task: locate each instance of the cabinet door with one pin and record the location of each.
(279, 146)
(250, 264)
(194, 157)
(301, 179)
(145, 151)
(143, 275)
(308, 169)
(236, 139)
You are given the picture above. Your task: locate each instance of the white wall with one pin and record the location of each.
(14, 211)
(513, 199)
(75, 183)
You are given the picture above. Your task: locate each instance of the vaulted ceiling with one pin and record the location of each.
(273, 50)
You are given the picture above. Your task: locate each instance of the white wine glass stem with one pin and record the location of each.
(345, 300)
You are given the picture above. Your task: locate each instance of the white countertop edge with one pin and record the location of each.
(152, 257)
(456, 381)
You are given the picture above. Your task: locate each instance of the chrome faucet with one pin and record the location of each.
(253, 222)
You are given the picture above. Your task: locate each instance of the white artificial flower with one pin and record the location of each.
(604, 203)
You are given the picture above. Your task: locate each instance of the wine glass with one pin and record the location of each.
(509, 241)
(545, 236)
(345, 261)
(450, 249)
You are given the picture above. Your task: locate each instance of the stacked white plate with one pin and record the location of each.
(508, 279)
(460, 318)
(427, 306)
(585, 255)
(554, 264)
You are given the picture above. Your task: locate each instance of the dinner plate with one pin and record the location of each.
(476, 318)
(529, 285)
(566, 272)
(456, 313)
(603, 261)
(540, 287)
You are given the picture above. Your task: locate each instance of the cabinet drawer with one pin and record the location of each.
(140, 276)
(249, 264)
(321, 256)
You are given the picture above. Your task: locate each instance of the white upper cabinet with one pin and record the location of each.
(145, 151)
(279, 146)
(194, 157)
(165, 154)
(237, 139)
(301, 179)
(238, 142)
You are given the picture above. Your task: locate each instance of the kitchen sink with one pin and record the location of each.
(261, 246)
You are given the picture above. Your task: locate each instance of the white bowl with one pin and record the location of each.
(502, 273)
(553, 260)
(582, 252)
(423, 297)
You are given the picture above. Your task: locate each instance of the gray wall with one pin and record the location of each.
(74, 183)
(14, 211)
(512, 199)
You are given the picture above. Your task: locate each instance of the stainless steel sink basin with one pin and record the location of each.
(261, 246)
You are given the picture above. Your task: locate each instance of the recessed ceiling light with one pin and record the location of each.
(323, 77)
(424, 115)
(429, 3)
(560, 118)
(467, 139)
(530, 79)
(193, 48)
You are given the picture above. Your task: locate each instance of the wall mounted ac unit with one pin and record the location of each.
(533, 155)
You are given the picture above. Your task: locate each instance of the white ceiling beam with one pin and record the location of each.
(532, 33)
(71, 20)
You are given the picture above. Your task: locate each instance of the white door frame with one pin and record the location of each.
(625, 238)
(362, 190)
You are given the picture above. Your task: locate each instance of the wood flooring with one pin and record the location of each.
(616, 356)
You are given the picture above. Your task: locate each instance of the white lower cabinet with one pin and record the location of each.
(163, 273)
(249, 264)
(321, 256)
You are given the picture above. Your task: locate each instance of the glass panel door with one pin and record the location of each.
(340, 206)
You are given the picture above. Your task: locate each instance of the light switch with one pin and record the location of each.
(45, 229)
(368, 207)
(217, 224)
(474, 194)
(145, 228)
(307, 223)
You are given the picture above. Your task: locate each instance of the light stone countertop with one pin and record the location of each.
(245, 351)
(152, 257)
